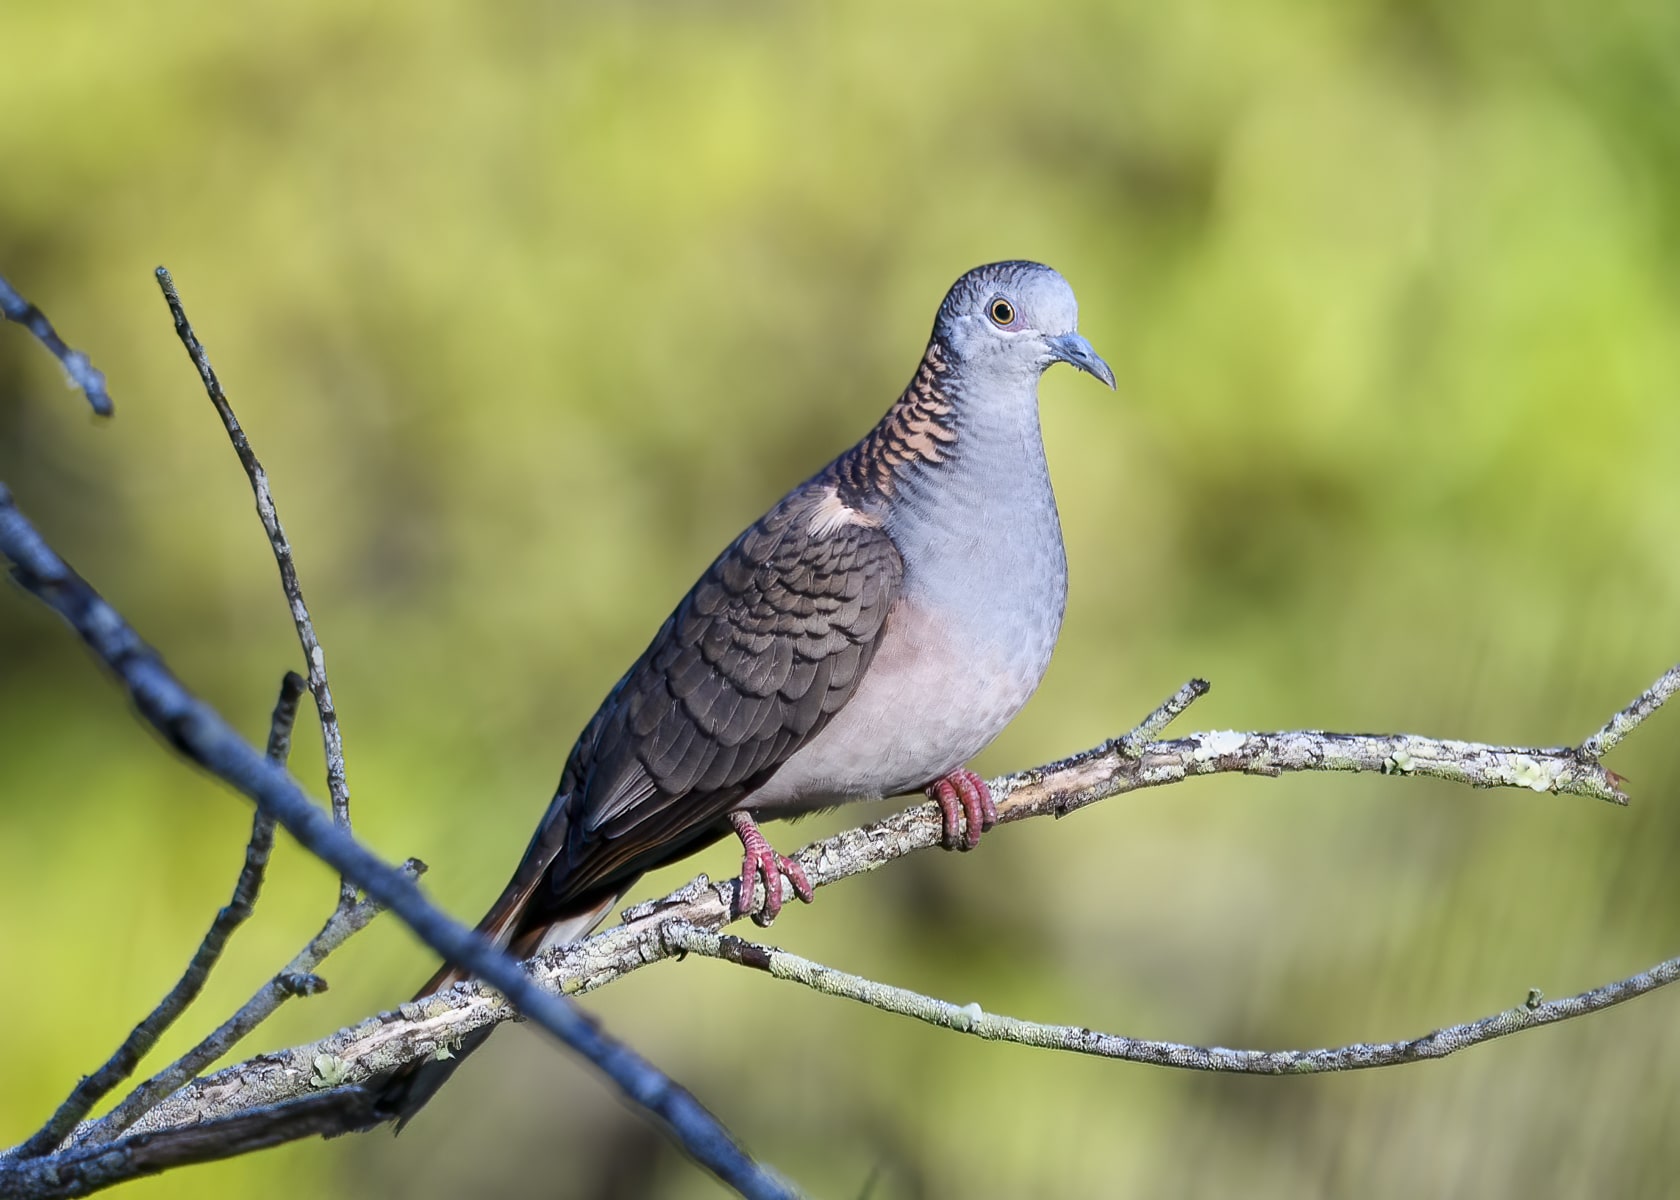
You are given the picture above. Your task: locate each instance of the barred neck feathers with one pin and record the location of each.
(920, 428)
(973, 403)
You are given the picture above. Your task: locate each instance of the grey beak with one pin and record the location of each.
(1071, 348)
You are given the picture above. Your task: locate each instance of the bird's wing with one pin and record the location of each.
(767, 646)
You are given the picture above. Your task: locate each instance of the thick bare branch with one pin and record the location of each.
(332, 738)
(140, 1041)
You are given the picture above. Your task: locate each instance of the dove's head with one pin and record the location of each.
(1008, 321)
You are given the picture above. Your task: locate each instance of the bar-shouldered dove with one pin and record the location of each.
(865, 637)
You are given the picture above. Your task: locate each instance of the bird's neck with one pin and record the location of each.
(956, 473)
(920, 429)
(936, 431)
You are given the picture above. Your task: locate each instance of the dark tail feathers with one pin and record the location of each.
(406, 1090)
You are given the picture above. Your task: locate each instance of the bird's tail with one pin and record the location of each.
(405, 1091)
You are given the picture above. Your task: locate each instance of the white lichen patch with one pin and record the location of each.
(330, 1071)
(1217, 743)
(1530, 774)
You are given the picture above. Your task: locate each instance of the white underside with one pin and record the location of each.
(928, 703)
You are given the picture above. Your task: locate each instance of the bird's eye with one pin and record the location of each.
(1002, 312)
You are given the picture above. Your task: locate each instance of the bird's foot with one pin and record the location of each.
(965, 802)
(760, 861)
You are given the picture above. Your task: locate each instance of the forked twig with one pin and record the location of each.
(296, 978)
(93, 1088)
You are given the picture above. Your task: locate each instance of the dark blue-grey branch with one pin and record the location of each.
(82, 372)
(199, 734)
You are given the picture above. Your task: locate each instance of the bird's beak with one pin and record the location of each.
(1071, 348)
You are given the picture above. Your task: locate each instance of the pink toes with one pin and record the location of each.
(965, 803)
(760, 861)
(965, 806)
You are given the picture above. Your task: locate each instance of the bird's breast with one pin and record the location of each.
(962, 650)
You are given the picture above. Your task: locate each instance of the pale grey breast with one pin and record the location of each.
(970, 637)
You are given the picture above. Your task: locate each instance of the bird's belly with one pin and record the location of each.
(929, 702)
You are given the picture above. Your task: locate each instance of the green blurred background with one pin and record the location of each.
(530, 306)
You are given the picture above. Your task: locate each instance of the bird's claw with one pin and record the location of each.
(759, 860)
(965, 803)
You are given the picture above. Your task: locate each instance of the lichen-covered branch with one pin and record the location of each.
(972, 1019)
(1631, 717)
(332, 738)
(421, 1028)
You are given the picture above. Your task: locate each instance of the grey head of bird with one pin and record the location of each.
(1005, 323)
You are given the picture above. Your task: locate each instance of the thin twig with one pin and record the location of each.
(145, 1035)
(972, 1019)
(296, 978)
(332, 739)
(1630, 718)
(200, 734)
(82, 372)
(280, 728)
(1131, 745)
(424, 1027)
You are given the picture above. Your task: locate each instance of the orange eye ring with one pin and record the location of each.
(1001, 311)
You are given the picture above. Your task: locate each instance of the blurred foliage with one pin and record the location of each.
(529, 307)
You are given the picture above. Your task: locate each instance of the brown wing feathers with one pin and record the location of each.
(766, 647)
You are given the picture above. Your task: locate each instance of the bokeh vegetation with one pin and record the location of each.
(529, 307)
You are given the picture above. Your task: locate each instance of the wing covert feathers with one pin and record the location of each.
(765, 648)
